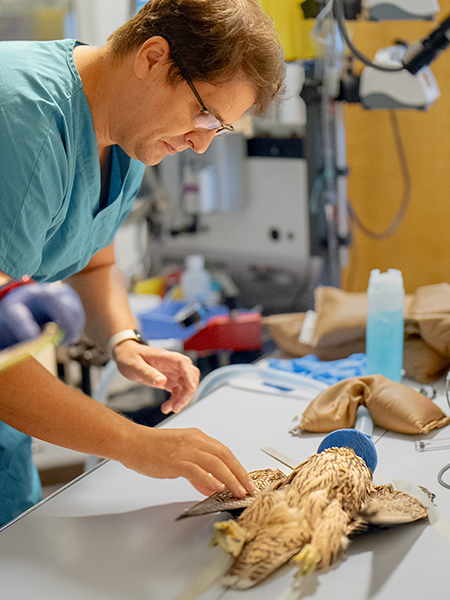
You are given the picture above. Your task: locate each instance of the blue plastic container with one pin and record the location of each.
(160, 322)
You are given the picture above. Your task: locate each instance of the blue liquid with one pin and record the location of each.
(384, 344)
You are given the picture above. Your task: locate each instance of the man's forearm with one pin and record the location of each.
(102, 289)
(36, 403)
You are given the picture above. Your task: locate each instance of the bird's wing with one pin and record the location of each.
(271, 548)
(264, 479)
(388, 506)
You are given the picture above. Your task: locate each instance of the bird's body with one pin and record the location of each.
(307, 516)
(313, 505)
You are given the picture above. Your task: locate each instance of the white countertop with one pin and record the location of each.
(112, 535)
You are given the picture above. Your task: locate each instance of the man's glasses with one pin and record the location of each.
(206, 119)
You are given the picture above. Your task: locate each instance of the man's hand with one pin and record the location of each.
(206, 463)
(161, 369)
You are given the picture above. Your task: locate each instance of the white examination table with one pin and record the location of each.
(112, 534)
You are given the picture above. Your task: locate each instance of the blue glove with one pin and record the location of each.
(25, 310)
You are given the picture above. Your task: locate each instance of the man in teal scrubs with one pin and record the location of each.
(77, 126)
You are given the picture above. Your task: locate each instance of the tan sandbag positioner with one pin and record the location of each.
(392, 405)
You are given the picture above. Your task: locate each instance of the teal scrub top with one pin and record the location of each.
(51, 218)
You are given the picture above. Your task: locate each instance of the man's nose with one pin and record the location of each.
(200, 140)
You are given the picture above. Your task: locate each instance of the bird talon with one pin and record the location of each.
(307, 560)
(229, 536)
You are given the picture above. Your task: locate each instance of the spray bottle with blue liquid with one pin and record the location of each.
(385, 326)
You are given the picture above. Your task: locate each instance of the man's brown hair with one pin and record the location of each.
(211, 41)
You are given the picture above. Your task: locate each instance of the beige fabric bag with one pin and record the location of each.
(392, 405)
(430, 309)
(285, 330)
(341, 327)
(342, 316)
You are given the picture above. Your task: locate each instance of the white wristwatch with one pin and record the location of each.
(122, 336)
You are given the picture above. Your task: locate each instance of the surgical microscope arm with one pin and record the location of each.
(422, 53)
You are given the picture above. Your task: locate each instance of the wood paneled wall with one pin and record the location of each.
(421, 246)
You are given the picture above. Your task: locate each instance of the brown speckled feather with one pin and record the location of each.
(264, 479)
(388, 506)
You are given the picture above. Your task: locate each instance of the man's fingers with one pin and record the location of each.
(241, 481)
(177, 366)
(179, 399)
(141, 372)
(204, 482)
(211, 470)
(154, 378)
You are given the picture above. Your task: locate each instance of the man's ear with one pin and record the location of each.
(154, 53)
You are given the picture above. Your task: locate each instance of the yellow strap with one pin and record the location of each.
(207, 578)
(15, 354)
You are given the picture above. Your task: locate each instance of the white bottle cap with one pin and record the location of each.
(195, 261)
(386, 290)
(391, 281)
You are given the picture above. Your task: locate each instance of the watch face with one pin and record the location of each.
(139, 338)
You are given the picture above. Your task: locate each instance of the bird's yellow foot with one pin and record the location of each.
(307, 560)
(229, 536)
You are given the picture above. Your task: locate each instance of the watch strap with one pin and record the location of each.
(122, 336)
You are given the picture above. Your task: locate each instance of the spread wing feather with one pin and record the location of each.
(388, 506)
(264, 479)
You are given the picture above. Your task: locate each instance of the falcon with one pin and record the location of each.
(305, 517)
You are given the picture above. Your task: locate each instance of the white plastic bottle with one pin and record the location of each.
(385, 325)
(196, 281)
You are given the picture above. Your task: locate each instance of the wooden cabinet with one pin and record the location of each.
(421, 245)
